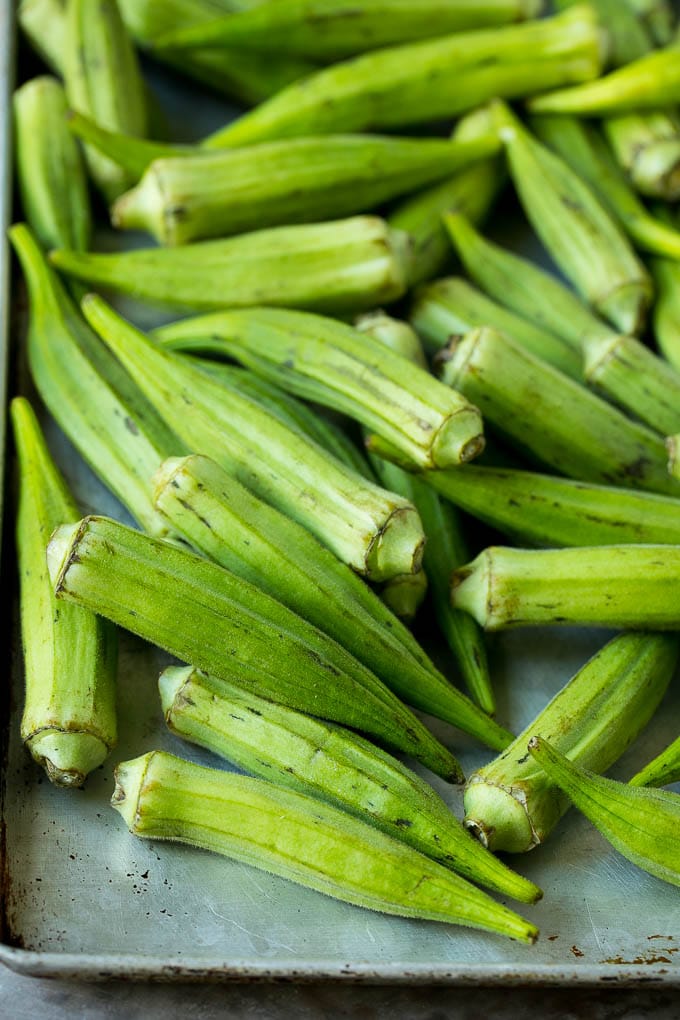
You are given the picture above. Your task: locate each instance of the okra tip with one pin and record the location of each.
(67, 756)
(398, 547)
(656, 169)
(62, 551)
(129, 781)
(497, 817)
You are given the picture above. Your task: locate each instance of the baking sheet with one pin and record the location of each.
(81, 897)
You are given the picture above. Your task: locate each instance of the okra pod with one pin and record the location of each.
(392, 87)
(525, 288)
(94, 401)
(647, 146)
(404, 594)
(133, 155)
(50, 170)
(583, 148)
(205, 615)
(43, 22)
(103, 80)
(445, 549)
(625, 586)
(511, 804)
(228, 524)
(69, 716)
(246, 76)
(471, 191)
(542, 510)
(657, 16)
(342, 266)
(628, 37)
(587, 245)
(452, 306)
(666, 312)
(545, 413)
(331, 30)
(662, 770)
(292, 181)
(327, 362)
(652, 80)
(393, 333)
(296, 837)
(641, 824)
(331, 763)
(377, 533)
(627, 372)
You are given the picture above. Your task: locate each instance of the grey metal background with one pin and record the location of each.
(82, 897)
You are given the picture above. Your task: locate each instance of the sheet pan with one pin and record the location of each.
(83, 898)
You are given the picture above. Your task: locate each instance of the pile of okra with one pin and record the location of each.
(357, 376)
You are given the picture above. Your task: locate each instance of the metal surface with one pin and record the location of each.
(83, 898)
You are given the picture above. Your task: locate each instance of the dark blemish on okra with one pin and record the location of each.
(403, 823)
(131, 426)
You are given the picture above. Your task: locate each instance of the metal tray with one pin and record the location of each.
(83, 898)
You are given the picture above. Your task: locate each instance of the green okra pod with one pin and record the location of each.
(580, 235)
(652, 80)
(205, 615)
(50, 170)
(329, 762)
(296, 837)
(511, 804)
(662, 770)
(103, 80)
(657, 16)
(452, 306)
(228, 524)
(43, 22)
(395, 334)
(445, 549)
(332, 364)
(583, 148)
(377, 533)
(618, 365)
(625, 586)
(548, 415)
(542, 510)
(525, 288)
(69, 716)
(666, 312)
(341, 266)
(472, 191)
(246, 76)
(628, 373)
(94, 401)
(673, 447)
(647, 146)
(299, 180)
(392, 87)
(331, 30)
(641, 824)
(404, 594)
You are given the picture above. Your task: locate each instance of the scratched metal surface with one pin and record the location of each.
(83, 898)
